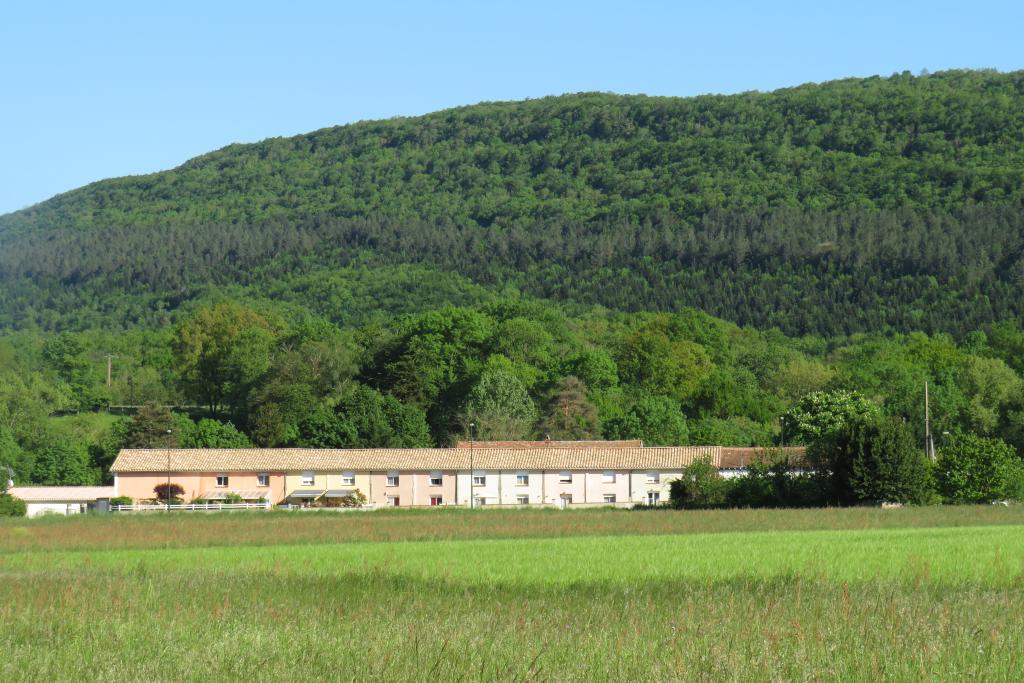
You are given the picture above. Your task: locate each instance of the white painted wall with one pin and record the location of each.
(52, 508)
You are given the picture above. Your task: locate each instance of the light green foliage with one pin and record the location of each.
(500, 406)
(655, 419)
(221, 351)
(207, 433)
(732, 431)
(594, 367)
(823, 413)
(974, 469)
(10, 506)
(651, 360)
(991, 386)
(799, 377)
(64, 464)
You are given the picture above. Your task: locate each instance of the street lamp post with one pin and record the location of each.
(472, 428)
(167, 493)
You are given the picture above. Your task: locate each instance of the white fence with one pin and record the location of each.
(191, 507)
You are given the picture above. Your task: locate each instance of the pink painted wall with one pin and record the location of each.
(140, 486)
(413, 488)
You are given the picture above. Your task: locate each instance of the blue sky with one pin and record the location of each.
(101, 89)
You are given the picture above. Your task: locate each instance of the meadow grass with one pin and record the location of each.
(185, 530)
(483, 599)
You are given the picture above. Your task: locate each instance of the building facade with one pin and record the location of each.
(554, 474)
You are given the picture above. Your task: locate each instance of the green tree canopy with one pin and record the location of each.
(976, 469)
(655, 419)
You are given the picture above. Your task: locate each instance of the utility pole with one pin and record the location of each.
(929, 447)
(110, 367)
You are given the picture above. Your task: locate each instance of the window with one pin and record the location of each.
(393, 479)
(479, 479)
(435, 479)
(222, 480)
(653, 478)
(435, 501)
(262, 480)
(609, 497)
(348, 478)
(522, 480)
(565, 478)
(653, 497)
(396, 501)
(308, 479)
(523, 500)
(608, 478)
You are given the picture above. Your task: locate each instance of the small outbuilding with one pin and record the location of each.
(63, 500)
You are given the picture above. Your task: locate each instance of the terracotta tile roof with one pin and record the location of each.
(382, 459)
(737, 458)
(39, 494)
(631, 443)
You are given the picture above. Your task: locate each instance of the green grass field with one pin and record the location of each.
(861, 594)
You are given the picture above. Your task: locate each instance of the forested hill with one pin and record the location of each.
(857, 204)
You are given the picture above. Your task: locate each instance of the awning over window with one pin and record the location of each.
(306, 494)
(339, 493)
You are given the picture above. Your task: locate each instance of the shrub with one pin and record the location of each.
(11, 506)
(121, 500)
(171, 490)
(700, 486)
(354, 500)
(974, 469)
(772, 481)
(233, 498)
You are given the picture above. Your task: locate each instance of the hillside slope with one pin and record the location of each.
(857, 204)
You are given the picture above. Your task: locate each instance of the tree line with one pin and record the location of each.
(232, 374)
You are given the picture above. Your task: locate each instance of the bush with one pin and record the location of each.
(233, 499)
(121, 500)
(11, 506)
(973, 469)
(353, 500)
(700, 486)
(165, 491)
(772, 481)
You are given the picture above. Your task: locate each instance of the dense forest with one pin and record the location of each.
(879, 204)
(275, 375)
(739, 270)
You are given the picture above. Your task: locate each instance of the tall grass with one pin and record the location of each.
(180, 530)
(855, 602)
